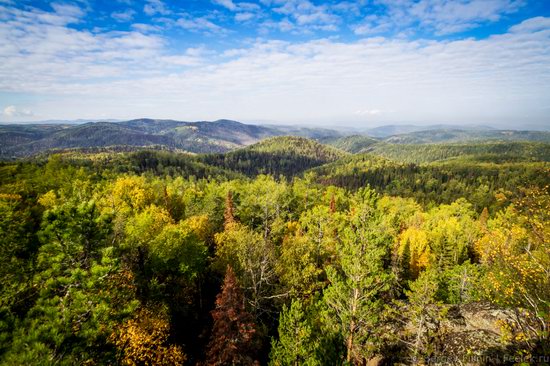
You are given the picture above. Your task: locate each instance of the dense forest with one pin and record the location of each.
(288, 252)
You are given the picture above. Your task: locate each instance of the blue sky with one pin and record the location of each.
(367, 62)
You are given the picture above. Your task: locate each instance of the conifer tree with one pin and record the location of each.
(296, 339)
(233, 340)
(356, 285)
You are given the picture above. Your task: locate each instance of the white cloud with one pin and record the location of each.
(441, 16)
(44, 51)
(532, 25)
(146, 28)
(306, 15)
(131, 74)
(9, 111)
(284, 25)
(68, 11)
(154, 7)
(248, 6)
(227, 4)
(12, 112)
(242, 17)
(372, 25)
(123, 16)
(244, 11)
(368, 112)
(200, 24)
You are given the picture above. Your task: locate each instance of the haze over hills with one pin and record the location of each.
(390, 130)
(450, 135)
(225, 135)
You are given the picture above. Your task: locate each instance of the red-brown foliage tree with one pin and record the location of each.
(233, 340)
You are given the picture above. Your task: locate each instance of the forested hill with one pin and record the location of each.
(218, 136)
(197, 137)
(221, 136)
(493, 151)
(286, 155)
(352, 144)
(450, 135)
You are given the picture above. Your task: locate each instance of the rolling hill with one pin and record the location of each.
(222, 136)
(285, 155)
(352, 144)
(493, 151)
(196, 137)
(451, 135)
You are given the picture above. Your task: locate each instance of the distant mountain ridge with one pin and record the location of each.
(451, 135)
(391, 130)
(196, 137)
(24, 140)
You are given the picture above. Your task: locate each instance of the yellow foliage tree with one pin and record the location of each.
(128, 193)
(419, 251)
(48, 199)
(201, 226)
(143, 340)
(515, 252)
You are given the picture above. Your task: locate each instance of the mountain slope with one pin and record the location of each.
(223, 136)
(198, 137)
(352, 144)
(478, 178)
(392, 130)
(488, 151)
(285, 155)
(86, 135)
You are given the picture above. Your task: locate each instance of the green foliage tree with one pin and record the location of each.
(358, 281)
(253, 258)
(70, 320)
(303, 338)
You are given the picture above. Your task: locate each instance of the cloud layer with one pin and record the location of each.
(75, 72)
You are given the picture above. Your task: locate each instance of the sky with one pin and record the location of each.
(358, 63)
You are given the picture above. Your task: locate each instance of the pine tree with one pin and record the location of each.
(425, 313)
(295, 345)
(356, 285)
(233, 340)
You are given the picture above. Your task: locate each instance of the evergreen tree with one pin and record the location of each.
(425, 312)
(304, 338)
(357, 284)
(296, 343)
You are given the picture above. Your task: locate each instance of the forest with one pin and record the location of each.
(287, 252)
